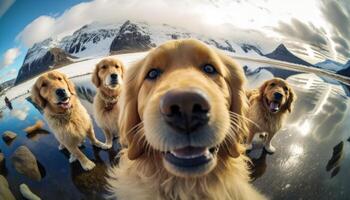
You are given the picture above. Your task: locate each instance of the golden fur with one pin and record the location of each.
(143, 172)
(262, 119)
(104, 106)
(70, 125)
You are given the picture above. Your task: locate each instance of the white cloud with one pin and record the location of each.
(9, 57)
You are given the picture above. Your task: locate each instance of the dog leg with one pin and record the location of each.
(109, 138)
(249, 145)
(268, 146)
(94, 141)
(85, 163)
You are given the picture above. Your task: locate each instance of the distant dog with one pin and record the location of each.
(68, 119)
(183, 121)
(107, 77)
(268, 107)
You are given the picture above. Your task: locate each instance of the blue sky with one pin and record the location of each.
(312, 29)
(16, 18)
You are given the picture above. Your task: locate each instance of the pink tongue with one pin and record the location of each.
(190, 151)
(274, 106)
(65, 105)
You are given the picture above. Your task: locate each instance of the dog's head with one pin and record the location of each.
(185, 103)
(53, 90)
(277, 96)
(108, 74)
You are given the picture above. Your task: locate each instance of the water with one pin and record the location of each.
(301, 168)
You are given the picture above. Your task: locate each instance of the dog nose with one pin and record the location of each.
(114, 76)
(185, 110)
(278, 96)
(61, 92)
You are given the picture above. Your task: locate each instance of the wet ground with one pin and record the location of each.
(312, 160)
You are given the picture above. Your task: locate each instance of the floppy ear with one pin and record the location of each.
(129, 119)
(235, 79)
(70, 85)
(292, 97)
(262, 89)
(95, 79)
(36, 97)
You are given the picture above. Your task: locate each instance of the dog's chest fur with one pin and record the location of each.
(268, 122)
(74, 124)
(105, 114)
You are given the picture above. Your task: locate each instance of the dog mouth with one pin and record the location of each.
(65, 103)
(274, 106)
(190, 157)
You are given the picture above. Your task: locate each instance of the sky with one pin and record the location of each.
(312, 29)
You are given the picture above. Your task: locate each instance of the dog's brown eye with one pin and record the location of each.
(209, 69)
(153, 74)
(59, 78)
(273, 84)
(117, 66)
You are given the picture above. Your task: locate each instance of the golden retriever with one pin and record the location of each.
(107, 77)
(182, 119)
(65, 115)
(268, 107)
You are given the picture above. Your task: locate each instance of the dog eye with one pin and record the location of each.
(117, 66)
(273, 84)
(59, 78)
(153, 74)
(209, 69)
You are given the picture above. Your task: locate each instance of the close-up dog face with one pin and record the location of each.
(53, 89)
(184, 101)
(277, 96)
(108, 73)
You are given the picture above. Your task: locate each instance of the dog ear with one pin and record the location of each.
(235, 79)
(36, 97)
(95, 79)
(262, 90)
(70, 85)
(292, 97)
(129, 119)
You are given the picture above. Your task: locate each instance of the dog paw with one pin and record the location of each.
(270, 149)
(60, 147)
(88, 165)
(72, 158)
(249, 147)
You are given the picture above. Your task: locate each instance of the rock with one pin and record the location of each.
(27, 193)
(38, 125)
(25, 163)
(8, 136)
(5, 192)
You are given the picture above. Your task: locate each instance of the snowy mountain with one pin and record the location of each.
(95, 40)
(330, 65)
(283, 54)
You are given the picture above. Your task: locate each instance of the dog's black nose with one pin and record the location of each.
(278, 96)
(61, 93)
(185, 109)
(114, 76)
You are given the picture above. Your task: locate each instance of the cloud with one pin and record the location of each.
(301, 31)
(9, 57)
(5, 5)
